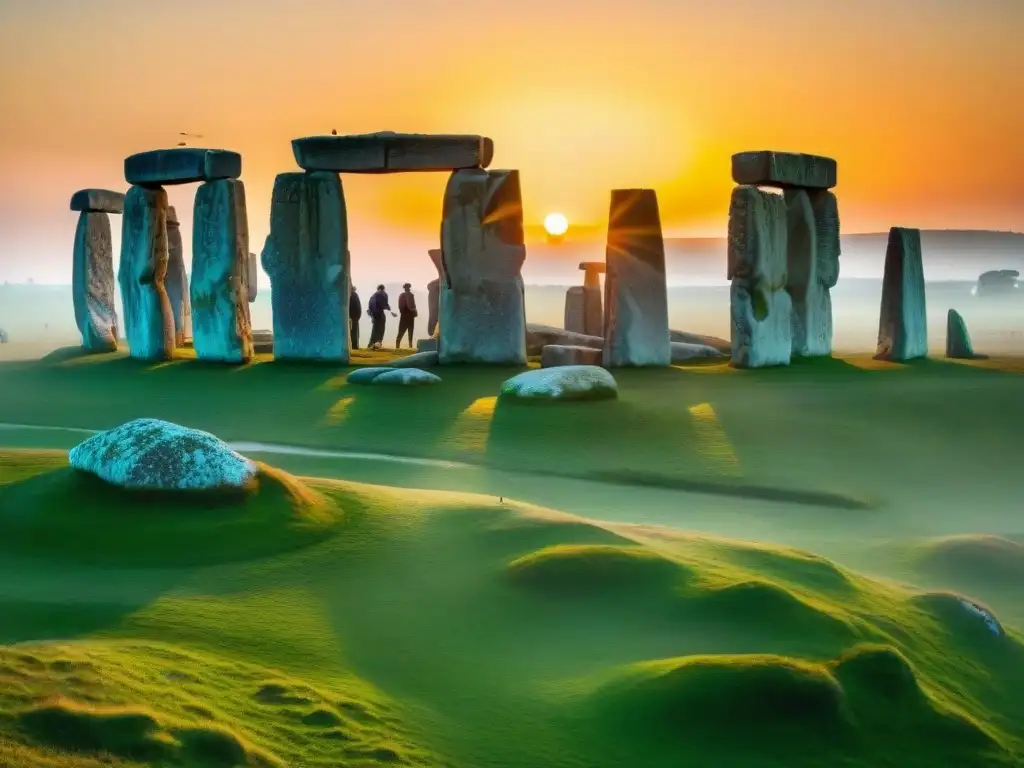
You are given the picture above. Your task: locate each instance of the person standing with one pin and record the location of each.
(406, 314)
(355, 311)
(378, 306)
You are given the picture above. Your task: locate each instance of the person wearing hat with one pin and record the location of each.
(406, 314)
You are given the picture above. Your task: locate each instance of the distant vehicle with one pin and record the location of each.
(998, 282)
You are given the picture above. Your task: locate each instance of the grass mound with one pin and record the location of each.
(597, 568)
(54, 511)
(976, 559)
(131, 703)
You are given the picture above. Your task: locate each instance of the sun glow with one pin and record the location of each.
(556, 224)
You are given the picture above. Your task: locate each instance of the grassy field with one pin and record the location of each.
(331, 622)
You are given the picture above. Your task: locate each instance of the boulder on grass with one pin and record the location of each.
(417, 360)
(407, 377)
(566, 382)
(554, 355)
(155, 455)
(367, 375)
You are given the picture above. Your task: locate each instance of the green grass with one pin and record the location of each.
(444, 629)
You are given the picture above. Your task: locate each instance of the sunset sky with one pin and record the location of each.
(919, 101)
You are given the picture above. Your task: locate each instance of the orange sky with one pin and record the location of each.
(919, 100)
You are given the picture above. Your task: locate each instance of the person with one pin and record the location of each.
(355, 311)
(406, 314)
(378, 306)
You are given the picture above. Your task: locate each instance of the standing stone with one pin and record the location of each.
(148, 321)
(593, 311)
(222, 331)
(826, 224)
(252, 277)
(903, 323)
(306, 257)
(760, 306)
(482, 309)
(958, 341)
(177, 281)
(92, 281)
(576, 310)
(811, 315)
(434, 292)
(636, 296)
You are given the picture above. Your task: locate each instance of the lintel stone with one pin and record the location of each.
(389, 152)
(181, 165)
(97, 201)
(765, 168)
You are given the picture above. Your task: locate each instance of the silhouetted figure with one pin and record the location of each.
(355, 311)
(378, 306)
(406, 314)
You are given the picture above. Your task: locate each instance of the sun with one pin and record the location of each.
(556, 224)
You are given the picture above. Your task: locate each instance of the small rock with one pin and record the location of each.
(426, 359)
(154, 455)
(554, 355)
(567, 382)
(366, 375)
(407, 377)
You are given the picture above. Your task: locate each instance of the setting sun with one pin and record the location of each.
(556, 224)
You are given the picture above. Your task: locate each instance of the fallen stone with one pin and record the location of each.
(92, 283)
(97, 201)
(426, 345)
(306, 257)
(367, 375)
(783, 169)
(482, 313)
(958, 340)
(221, 326)
(903, 321)
(388, 152)
(683, 352)
(567, 382)
(760, 306)
(252, 278)
(177, 282)
(827, 247)
(425, 359)
(154, 455)
(554, 355)
(407, 377)
(181, 165)
(263, 342)
(433, 297)
(148, 321)
(539, 336)
(698, 338)
(811, 314)
(636, 296)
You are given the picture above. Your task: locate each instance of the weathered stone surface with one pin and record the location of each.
(538, 336)
(154, 455)
(635, 292)
(252, 277)
(760, 307)
(422, 359)
(407, 377)
(433, 299)
(172, 215)
(811, 315)
(783, 169)
(306, 257)
(683, 352)
(554, 355)
(481, 305)
(148, 321)
(566, 382)
(388, 152)
(683, 337)
(97, 201)
(827, 248)
(958, 340)
(367, 375)
(177, 283)
(92, 283)
(426, 345)
(181, 165)
(575, 310)
(221, 327)
(903, 322)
